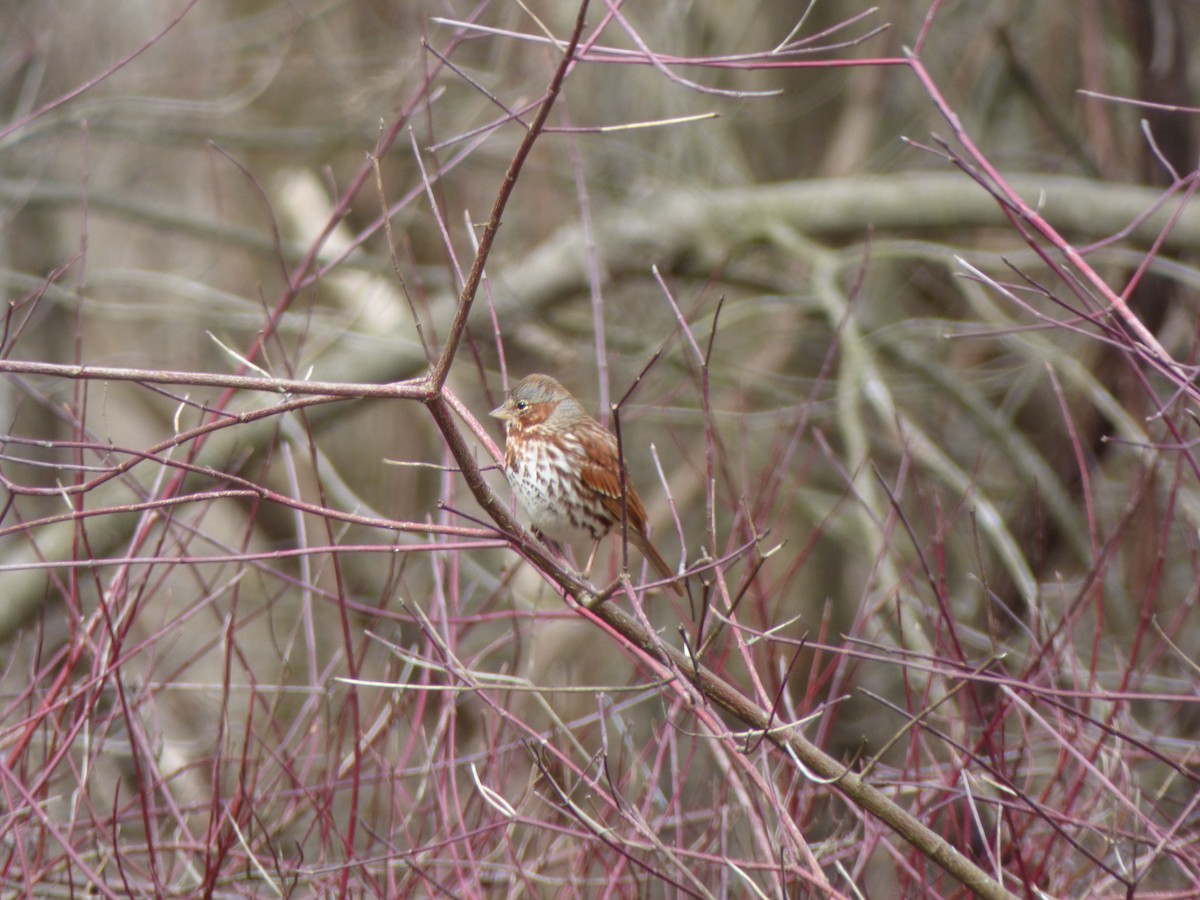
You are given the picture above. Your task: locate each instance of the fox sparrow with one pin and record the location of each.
(564, 468)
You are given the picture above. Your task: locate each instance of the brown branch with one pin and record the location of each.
(412, 389)
(442, 370)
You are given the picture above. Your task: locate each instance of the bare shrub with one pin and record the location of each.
(889, 305)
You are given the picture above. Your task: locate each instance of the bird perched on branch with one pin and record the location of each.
(564, 467)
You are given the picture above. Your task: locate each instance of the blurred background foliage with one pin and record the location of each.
(917, 443)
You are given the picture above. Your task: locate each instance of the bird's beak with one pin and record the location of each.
(501, 412)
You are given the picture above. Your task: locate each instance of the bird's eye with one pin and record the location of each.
(522, 405)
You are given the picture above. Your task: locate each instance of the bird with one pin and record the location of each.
(565, 470)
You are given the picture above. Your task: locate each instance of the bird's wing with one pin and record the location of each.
(600, 472)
